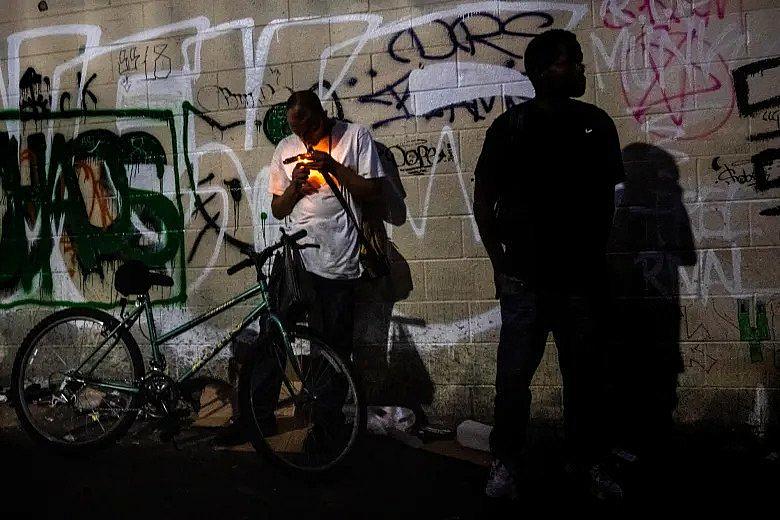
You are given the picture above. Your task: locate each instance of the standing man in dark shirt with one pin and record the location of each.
(543, 202)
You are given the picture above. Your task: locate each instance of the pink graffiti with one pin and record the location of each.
(666, 31)
(674, 87)
(617, 14)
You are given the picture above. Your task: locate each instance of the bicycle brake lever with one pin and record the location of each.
(306, 246)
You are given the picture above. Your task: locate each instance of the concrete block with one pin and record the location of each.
(720, 224)
(447, 195)
(459, 279)
(434, 322)
(451, 404)
(355, 82)
(164, 12)
(483, 366)
(326, 8)
(441, 239)
(485, 319)
(260, 11)
(734, 368)
(17, 10)
(342, 32)
(448, 364)
(760, 270)
(546, 403)
(382, 119)
(296, 43)
(472, 243)
(764, 229)
(704, 131)
(762, 29)
(721, 406)
(471, 142)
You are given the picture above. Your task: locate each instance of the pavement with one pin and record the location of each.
(143, 478)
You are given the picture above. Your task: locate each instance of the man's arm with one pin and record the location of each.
(282, 205)
(486, 191)
(362, 189)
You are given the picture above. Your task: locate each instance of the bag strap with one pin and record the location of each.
(351, 216)
(340, 197)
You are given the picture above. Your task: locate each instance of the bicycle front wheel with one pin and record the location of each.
(303, 409)
(52, 405)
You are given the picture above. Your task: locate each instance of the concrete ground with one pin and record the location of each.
(142, 478)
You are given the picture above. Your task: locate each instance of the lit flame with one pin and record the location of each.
(315, 178)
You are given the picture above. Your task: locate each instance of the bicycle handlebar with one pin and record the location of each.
(258, 259)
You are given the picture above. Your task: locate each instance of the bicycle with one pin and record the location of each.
(79, 380)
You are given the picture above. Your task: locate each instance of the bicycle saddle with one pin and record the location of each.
(134, 277)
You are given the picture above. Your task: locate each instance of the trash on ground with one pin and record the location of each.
(393, 421)
(474, 435)
(382, 419)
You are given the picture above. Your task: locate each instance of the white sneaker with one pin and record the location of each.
(500, 482)
(603, 486)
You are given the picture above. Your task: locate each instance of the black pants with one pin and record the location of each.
(331, 317)
(526, 318)
(333, 314)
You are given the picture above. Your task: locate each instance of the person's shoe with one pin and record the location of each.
(500, 482)
(603, 486)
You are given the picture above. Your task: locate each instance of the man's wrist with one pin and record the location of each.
(340, 171)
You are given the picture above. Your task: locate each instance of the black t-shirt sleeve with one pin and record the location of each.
(614, 157)
(494, 145)
(486, 191)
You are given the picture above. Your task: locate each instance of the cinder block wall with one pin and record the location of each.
(181, 102)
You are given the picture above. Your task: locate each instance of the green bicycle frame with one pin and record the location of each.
(143, 305)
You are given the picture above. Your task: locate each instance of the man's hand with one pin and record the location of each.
(323, 162)
(300, 173)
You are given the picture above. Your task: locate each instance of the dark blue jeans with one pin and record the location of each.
(527, 316)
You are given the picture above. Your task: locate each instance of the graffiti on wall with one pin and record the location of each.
(671, 57)
(457, 66)
(73, 207)
(756, 94)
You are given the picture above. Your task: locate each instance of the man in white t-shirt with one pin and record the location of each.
(301, 195)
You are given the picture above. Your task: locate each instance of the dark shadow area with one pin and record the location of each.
(384, 480)
(651, 239)
(386, 356)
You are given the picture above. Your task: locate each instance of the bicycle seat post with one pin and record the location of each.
(158, 361)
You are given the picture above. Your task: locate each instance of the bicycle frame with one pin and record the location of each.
(144, 306)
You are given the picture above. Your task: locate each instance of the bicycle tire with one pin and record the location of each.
(31, 342)
(252, 424)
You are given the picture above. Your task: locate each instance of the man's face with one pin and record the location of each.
(566, 77)
(307, 124)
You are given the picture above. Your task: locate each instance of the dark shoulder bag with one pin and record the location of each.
(290, 285)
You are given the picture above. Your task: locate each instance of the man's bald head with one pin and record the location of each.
(306, 117)
(305, 99)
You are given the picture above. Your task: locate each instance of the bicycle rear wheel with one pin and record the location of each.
(306, 421)
(55, 409)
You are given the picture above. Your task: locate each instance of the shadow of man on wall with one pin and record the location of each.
(651, 239)
(386, 355)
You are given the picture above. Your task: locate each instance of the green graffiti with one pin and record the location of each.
(753, 335)
(275, 124)
(82, 192)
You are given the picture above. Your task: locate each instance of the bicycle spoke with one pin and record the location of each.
(64, 411)
(316, 426)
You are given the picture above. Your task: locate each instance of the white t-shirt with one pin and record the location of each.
(321, 214)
